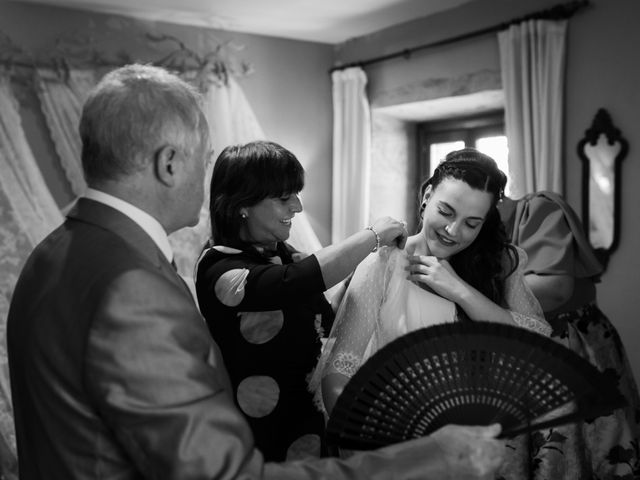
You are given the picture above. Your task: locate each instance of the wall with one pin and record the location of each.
(392, 166)
(601, 72)
(289, 89)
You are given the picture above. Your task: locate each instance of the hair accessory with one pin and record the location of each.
(468, 373)
(375, 249)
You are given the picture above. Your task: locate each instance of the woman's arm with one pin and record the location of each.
(523, 309)
(339, 260)
(332, 386)
(239, 278)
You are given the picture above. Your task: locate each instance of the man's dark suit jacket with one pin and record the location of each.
(113, 371)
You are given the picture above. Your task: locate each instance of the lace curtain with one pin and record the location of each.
(532, 59)
(351, 153)
(28, 212)
(61, 101)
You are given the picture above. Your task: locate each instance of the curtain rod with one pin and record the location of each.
(557, 12)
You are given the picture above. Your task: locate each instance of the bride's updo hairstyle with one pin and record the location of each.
(490, 258)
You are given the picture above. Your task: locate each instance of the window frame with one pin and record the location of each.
(468, 128)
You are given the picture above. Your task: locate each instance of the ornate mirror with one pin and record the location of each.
(601, 151)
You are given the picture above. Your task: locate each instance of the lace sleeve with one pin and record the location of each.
(522, 304)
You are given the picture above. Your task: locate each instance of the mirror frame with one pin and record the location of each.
(602, 125)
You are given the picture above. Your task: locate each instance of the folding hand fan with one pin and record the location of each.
(467, 373)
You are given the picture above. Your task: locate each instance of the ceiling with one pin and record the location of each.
(324, 21)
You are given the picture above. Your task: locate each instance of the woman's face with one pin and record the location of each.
(269, 221)
(453, 216)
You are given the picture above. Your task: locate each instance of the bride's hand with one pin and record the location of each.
(436, 274)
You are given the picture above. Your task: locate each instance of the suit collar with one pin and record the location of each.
(109, 218)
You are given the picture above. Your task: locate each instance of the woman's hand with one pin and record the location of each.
(391, 232)
(339, 260)
(438, 275)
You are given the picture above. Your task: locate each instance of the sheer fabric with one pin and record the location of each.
(61, 101)
(532, 58)
(380, 305)
(28, 212)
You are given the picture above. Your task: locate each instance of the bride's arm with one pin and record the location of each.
(520, 307)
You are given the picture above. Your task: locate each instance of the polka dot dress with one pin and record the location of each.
(267, 316)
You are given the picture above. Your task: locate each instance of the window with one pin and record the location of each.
(484, 132)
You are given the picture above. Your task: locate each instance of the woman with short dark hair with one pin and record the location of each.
(263, 300)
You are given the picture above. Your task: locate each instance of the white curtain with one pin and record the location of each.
(532, 59)
(28, 213)
(231, 121)
(61, 101)
(351, 153)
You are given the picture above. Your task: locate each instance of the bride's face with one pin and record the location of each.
(453, 216)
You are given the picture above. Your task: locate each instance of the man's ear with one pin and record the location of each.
(166, 164)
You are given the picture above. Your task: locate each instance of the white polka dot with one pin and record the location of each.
(307, 446)
(258, 395)
(260, 327)
(229, 288)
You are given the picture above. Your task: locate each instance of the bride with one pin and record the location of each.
(459, 267)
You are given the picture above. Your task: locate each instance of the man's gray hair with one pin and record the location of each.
(133, 112)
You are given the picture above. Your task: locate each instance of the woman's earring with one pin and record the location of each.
(243, 215)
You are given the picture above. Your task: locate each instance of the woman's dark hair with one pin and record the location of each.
(244, 175)
(480, 264)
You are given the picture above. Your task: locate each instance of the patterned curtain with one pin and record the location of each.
(28, 212)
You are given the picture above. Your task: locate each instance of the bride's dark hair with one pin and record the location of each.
(482, 264)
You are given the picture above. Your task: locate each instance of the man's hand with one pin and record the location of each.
(453, 452)
(470, 452)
